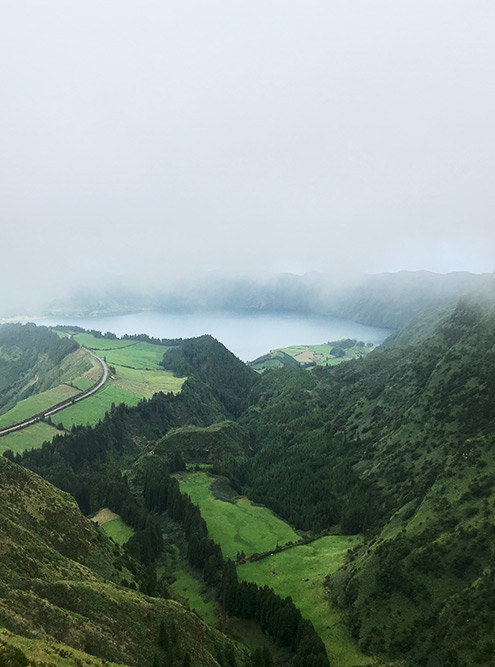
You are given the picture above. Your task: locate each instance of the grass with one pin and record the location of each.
(239, 526)
(91, 410)
(82, 382)
(192, 589)
(119, 531)
(137, 376)
(35, 404)
(28, 438)
(130, 353)
(88, 340)
(312, 354)
(40, 652)
(146, 383)
(130, 386)
(142, 355)
(300, 572)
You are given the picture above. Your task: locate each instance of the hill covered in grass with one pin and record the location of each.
(66, 590)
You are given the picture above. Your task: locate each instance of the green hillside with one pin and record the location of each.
(61, 584)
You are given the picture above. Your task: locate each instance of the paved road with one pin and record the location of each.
(61, 406)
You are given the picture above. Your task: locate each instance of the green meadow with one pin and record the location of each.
(146, 383)
(300, 573)
(236, 526)
(82, 383)
(130, 353)
(91, 410)
(35, 404)
(119, 531)
(27, 438)
(88, 340)
(140, 355)
(320, 355)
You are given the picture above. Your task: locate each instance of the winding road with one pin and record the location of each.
(64, 404)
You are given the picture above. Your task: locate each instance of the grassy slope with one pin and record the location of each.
(32, 360)
(239, 526)
(119, 531)
(191, 588)
(300, 573)
(131, 353)
(146, 383)
(27, 438)
(92, 409)
(37, 403)
(50, 591)
(40, 652)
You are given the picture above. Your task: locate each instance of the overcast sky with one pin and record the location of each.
(143, 138)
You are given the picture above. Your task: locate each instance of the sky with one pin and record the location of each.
(141, 141)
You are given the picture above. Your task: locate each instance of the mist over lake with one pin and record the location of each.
(247, 335)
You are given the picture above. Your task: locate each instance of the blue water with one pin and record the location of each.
(247, 335)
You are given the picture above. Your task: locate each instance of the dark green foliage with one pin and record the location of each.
(70, 462)
(205, 444)
(209, 361)
(10, 656)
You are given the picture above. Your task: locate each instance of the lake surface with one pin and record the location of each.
(247, 335)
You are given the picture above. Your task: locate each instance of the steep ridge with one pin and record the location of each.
(61, 581)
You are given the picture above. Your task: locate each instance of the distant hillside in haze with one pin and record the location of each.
(386, 300)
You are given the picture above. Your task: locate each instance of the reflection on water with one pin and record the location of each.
(247, 335)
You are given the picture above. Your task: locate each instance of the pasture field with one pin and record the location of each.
(119, 531)
(82, 382)
(141, 355)
(88, 340)
(137, 376)
(239, 526)
(146, 383)
(35, 404)
(319, 355)
(130, 353)
(91, 410)
(299, 572)
(28, 438)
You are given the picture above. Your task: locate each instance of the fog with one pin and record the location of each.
(145, 142)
